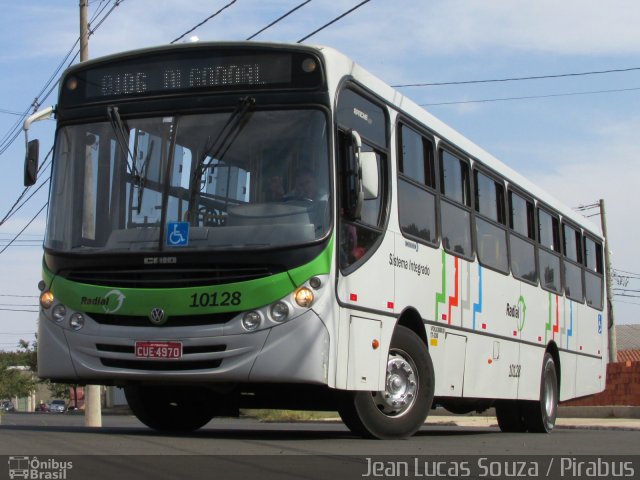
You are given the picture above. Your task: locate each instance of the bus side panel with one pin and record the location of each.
(370, 291)
(418, 272)
(491, 358)
(569, 364)
(590, 334)
(487, 370)
(530, 371)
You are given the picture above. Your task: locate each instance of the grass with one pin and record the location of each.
(268, 415)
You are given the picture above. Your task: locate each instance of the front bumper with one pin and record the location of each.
(292, 352)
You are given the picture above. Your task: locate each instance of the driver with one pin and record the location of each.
(304, 186)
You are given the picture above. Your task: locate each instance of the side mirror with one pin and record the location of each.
(355, 194)
(369, 168)
(33, 146)
(31, 163)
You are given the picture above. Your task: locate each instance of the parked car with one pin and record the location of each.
(42, 407)
(7, 406)
(58, 406)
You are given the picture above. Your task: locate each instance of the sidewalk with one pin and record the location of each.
(627, 418)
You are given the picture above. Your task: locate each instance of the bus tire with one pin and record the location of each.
(540, 416)
(401, 409)
(510, 416)
(170, 409)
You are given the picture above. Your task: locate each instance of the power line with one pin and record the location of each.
(18, 310)
(333, 21)
(17, 305)
(505, 99)
(14, 131)
(278, 19)
(10, 112)
(25, 227)
(517, 79)
(628, 273)
(14, 208)
(204, 21)
(625, 295)
(628, 303)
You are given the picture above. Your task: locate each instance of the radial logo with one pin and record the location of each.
(115, 299)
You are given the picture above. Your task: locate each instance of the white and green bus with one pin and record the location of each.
(258, 225)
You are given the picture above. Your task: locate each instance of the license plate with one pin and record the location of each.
(163, 350)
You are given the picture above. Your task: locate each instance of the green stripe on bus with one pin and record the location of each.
(228, 297)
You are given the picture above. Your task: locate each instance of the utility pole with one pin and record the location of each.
(613, 349)
(84, 30)
(92, 393)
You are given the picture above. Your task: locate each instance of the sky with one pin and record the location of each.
(578, 145)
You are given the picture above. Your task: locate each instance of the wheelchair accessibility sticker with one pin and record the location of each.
(177, 234)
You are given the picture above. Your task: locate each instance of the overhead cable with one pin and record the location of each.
(203, 22)
(278, 19)
(333, 21)
(529, 97)
(516, 79)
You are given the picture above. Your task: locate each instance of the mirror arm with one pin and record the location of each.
(43, 114)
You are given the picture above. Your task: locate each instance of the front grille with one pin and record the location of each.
(161, 365)
(167, 278)
(186, 350)
(172, 321)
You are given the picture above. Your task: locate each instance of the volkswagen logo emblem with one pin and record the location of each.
(157, 316)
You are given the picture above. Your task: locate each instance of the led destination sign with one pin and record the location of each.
(200, 70)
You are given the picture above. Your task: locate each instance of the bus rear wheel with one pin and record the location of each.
(510, 416)
(170, 409)
(540, 416)
(401, 409)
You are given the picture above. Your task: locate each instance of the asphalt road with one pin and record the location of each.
(246, 448)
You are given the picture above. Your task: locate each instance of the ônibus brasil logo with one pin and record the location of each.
(36, 469)
(111, 302)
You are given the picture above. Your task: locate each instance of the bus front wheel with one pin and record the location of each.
(170, 409)
(401, 409)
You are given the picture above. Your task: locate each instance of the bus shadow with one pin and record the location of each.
(308, 431)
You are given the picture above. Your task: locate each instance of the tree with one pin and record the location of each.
(15, 378)
(30, 356)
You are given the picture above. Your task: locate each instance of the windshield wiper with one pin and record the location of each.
(218, 148)
(122, 135)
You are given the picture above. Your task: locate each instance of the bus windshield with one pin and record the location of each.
(236, 180)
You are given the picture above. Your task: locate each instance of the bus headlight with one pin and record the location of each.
(251, 321)
(76, 322)
(59, 312)
(304, 297)
(279, 311)
(46, 299)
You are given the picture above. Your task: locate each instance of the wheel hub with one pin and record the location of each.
(401, 385)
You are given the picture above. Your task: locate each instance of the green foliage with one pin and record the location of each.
(15, 379)
(59, 390)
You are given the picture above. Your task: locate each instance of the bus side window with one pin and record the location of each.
(522, 238)
(548, 255)
(594, 273)
(416, 186)
(358, 236)
(455, 211)
(491, 235)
